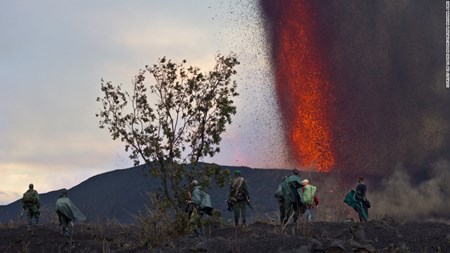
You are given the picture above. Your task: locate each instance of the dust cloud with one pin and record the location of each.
(403, 199)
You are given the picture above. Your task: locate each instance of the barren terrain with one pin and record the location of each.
(376, 236)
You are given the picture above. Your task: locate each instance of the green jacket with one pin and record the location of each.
(31, 199)
(238, 190)
(291, 188)
(65, 206)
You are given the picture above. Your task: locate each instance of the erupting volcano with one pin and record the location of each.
(303, 89)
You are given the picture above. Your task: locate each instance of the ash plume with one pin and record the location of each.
(386, 63)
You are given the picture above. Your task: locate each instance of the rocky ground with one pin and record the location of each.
(375, 236)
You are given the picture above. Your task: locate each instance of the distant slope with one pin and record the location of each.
(119, 194)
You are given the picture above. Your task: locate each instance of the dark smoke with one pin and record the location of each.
(391, 107)
(387, 63)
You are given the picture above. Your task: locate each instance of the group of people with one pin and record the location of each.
(295, 198)
(66, 210)
(199, 203)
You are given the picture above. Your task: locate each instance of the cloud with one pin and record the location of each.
(54, 54)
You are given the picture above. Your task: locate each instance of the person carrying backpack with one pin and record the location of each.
(239, 197)
(291, 188)
(31, 204)
(67, 212)
(360, 196)
(198, 205)
(356, 198)
(309, 198)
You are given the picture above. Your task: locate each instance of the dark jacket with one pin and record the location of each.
(360, 192)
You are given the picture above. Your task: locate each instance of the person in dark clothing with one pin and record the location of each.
(239, 197)
(291, 188)
(360, 196)
(31, 204)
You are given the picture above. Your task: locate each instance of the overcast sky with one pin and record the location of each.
(54, 53)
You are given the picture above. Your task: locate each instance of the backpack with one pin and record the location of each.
(309, 191)
(205, 203)
(28, 197)
(236, 191)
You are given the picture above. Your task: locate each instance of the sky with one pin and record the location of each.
(54, 54)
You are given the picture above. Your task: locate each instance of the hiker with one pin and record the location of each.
(31, 204)
(309, 198)
(281, 202)
(239, 197)
(360, 196)
(67, 212)
(291, 187)
(198, 205)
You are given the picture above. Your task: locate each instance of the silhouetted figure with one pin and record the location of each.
(360, 196)
(31, 204)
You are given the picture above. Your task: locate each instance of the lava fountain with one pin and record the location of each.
(303, 90)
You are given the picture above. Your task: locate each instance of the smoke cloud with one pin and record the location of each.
(389, 107)
(386, 62)
(403, 199)
(391, 102)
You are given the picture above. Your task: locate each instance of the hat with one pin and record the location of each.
(237, 172)
(194, 182)
(305, 181)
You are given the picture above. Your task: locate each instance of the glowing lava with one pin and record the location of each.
(303, 90)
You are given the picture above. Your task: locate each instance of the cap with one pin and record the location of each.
(305, 181)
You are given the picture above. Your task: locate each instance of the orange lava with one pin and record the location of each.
(303, 90)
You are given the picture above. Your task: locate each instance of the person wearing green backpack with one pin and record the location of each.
(309, 198)
(291, 187)
(31, 204)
